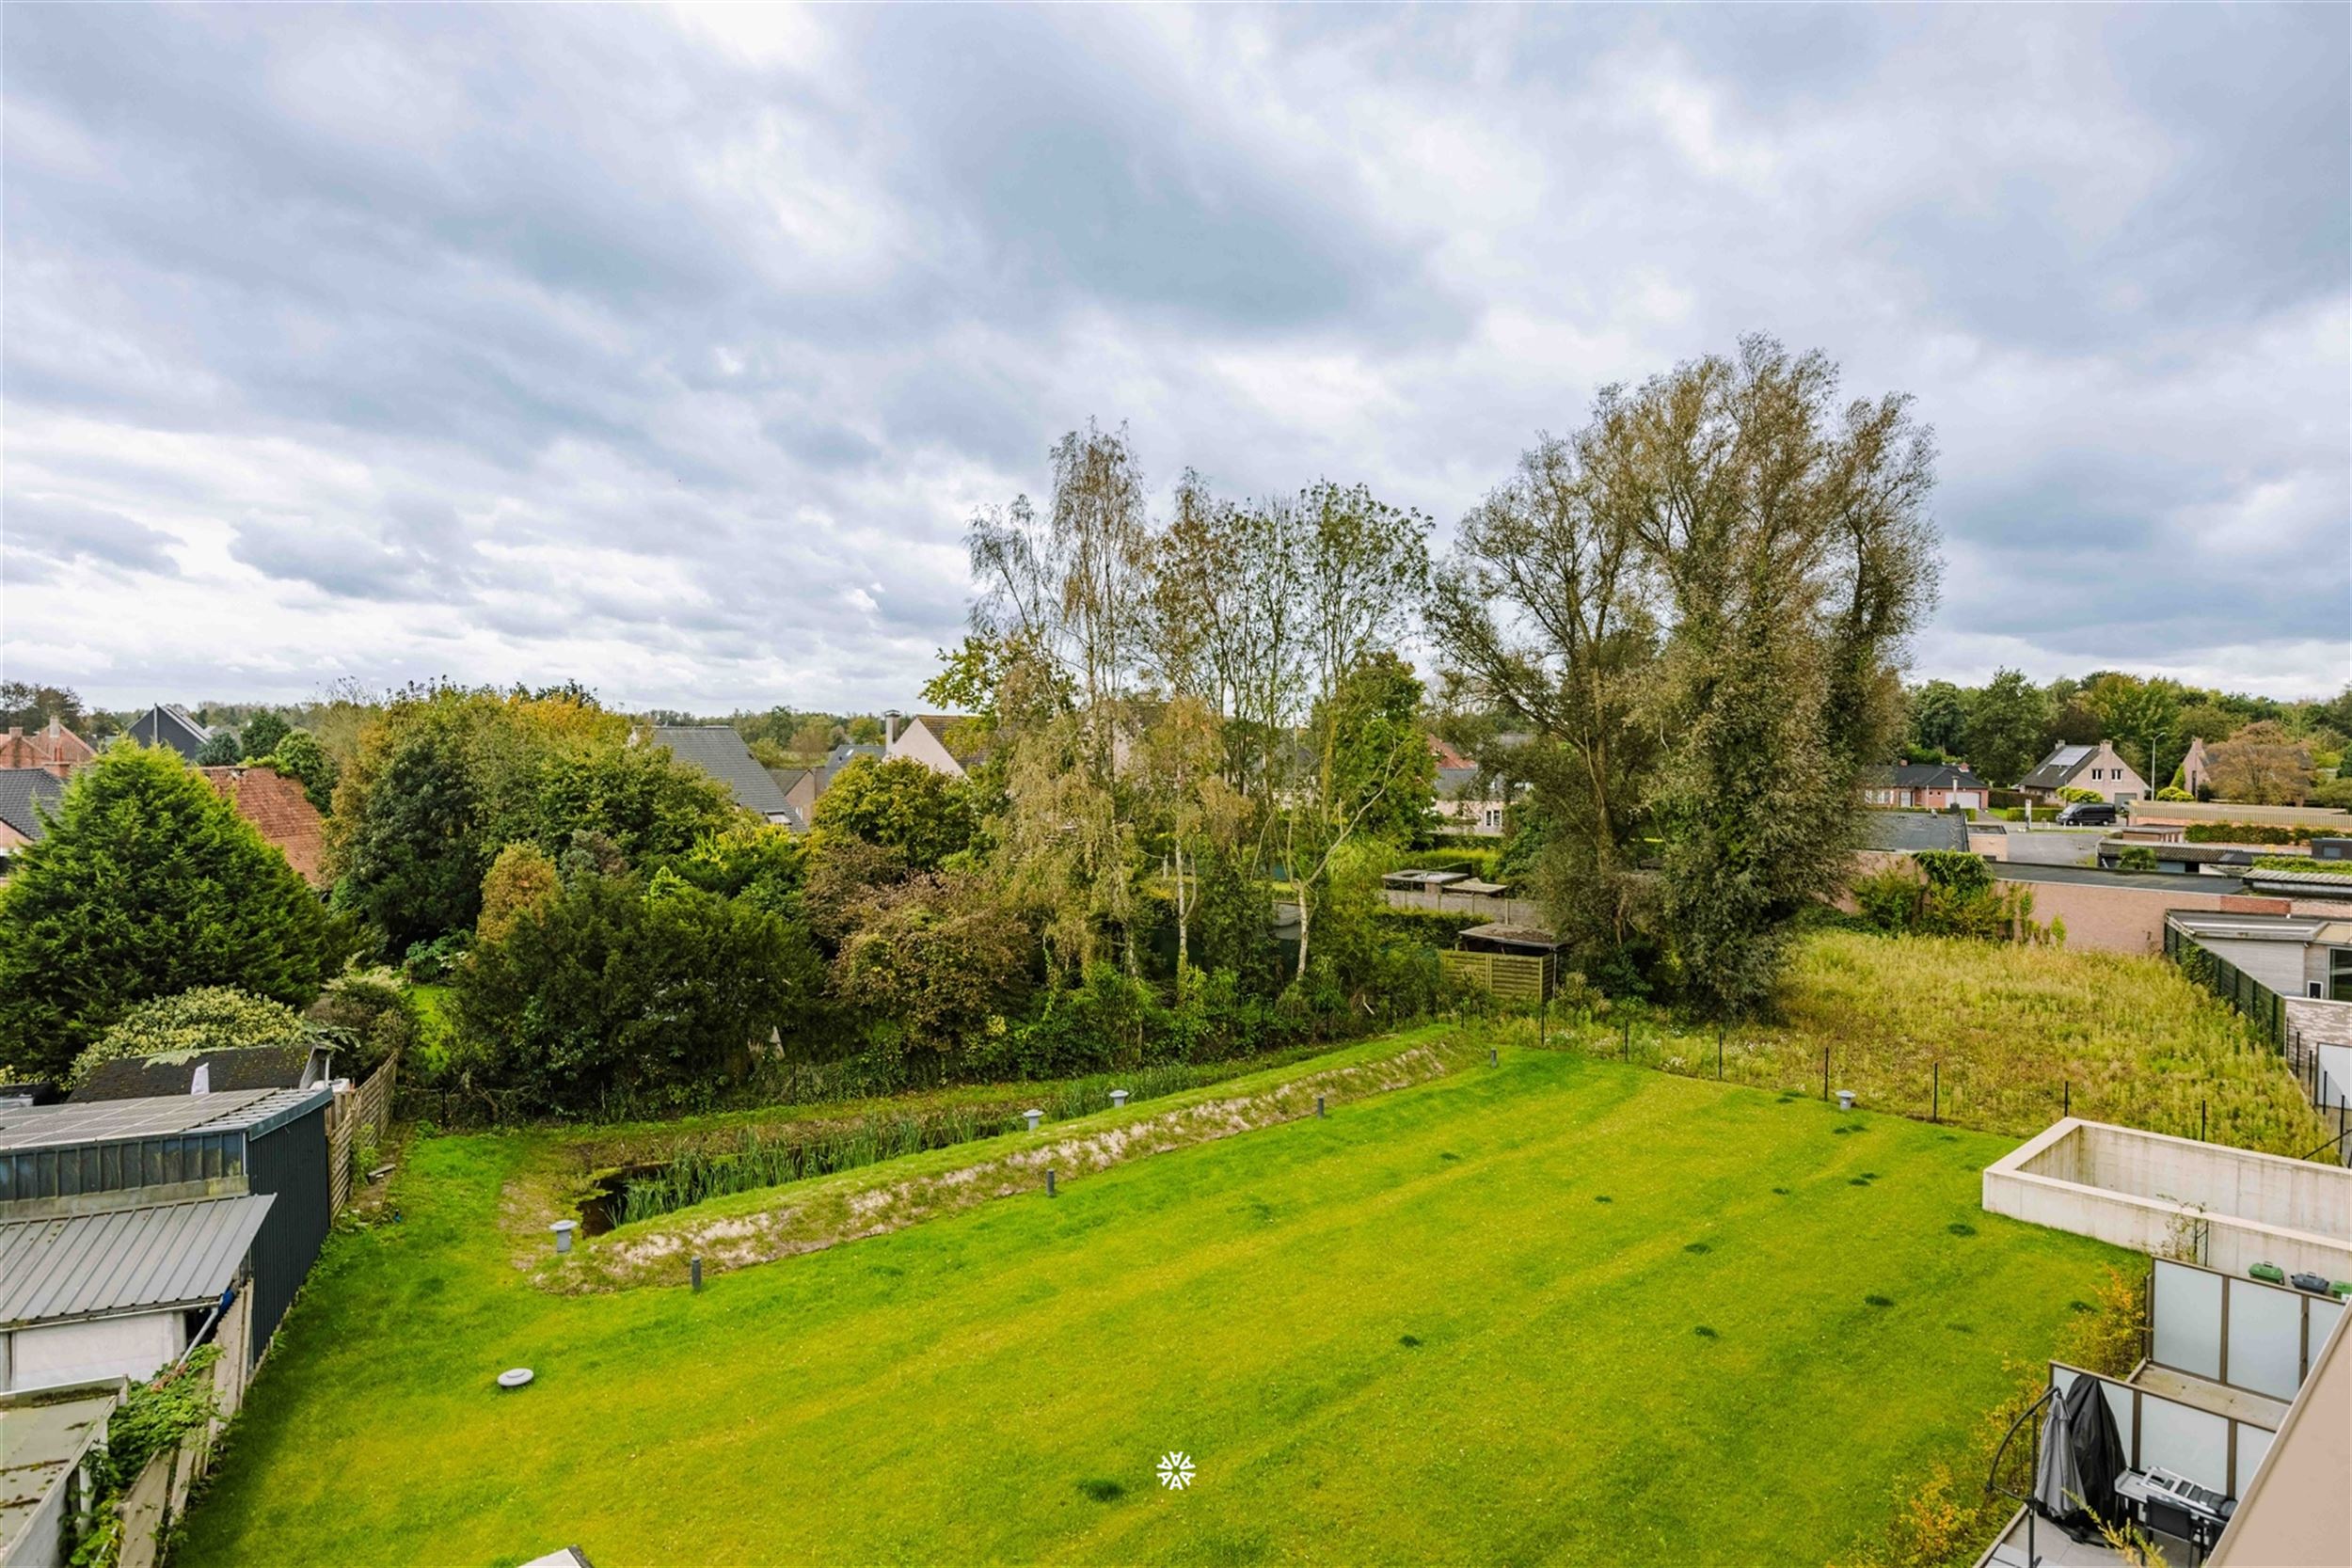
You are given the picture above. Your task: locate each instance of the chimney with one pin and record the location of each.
(890, 727)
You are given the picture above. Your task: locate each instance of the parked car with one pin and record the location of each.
(2087, 814)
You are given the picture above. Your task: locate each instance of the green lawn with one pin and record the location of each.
(1561, 1310)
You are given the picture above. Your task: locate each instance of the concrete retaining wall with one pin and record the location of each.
(2226, 1208)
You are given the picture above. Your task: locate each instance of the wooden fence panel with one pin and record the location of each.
(1513, 976)
(366, 1109)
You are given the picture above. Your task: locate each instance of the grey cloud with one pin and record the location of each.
(54, 530)
(730, 340)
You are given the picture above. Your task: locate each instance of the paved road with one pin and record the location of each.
(2055, 845)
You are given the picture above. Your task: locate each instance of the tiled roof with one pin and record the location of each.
(51, 746)
(1924, 775)
(719, 751)
(168, 1255)
(280, 812)
(20, 788)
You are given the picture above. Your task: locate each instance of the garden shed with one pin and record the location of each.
(125, 1223)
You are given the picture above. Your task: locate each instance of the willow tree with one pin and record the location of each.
(1702, 604)
(1545, 611)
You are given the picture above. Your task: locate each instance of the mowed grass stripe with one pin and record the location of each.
(997, 1385)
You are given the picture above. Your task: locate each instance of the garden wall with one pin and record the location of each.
(2226, 1208)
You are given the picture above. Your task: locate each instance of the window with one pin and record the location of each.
(2340, 973)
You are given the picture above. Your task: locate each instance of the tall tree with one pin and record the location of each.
(1784, 542)
(1938, 716)
(148, 884)
(2263, 764)
(2006, 723)
(1363, 569)
(1545, 615)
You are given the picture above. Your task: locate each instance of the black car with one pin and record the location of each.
(2086, 814)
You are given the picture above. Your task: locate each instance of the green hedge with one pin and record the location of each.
(2250, 832)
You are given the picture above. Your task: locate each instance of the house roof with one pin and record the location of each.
(170, 1072)
(1924, 775)
(2297, 884)
(942, 725)
(2063, 764)
(51, 746)
(20, 788)
(164, 1254)
(280, 812)
(75, 1122)
(49, 1430)
(719, 751)
(166, 726)
(1531, 937)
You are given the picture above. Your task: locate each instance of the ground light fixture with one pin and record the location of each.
(1035, 1116)
(564, 1230)
(1119, 1100)
(1845, 1099)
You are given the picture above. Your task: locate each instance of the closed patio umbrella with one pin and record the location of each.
(2082, 1454)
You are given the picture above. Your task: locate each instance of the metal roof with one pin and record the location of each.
(2302, 884)
(250, 1111)
(85, 1265)
(49, 1430)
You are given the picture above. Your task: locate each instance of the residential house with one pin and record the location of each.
(1930, 786)
(281, 811)
(1468, 799)
(2096, 768)
(22, 790)
(52, 748)
(2196, 772)
(942, 742)
(131, 1229)
(166, 726)
(719, 751)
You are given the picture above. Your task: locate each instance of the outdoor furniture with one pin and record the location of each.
(2176, 1506)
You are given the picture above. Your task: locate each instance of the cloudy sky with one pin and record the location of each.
(672, 350)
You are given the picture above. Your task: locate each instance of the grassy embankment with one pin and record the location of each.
(1561, 1309)
(2009, 1035)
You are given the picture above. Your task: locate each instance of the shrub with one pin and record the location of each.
(2138, 857)
(2169, 793)
(521, 879)
(209, 1018)
(374, 1015)
(262, 735)
(899, 804)
(2247, 832)
(430, 963)
(1946, 892)
(2074, 794)
(2305, 862)
(147, 884)
(221, 750)
(611, 990)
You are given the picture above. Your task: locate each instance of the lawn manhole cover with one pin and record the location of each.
(515, 1378)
